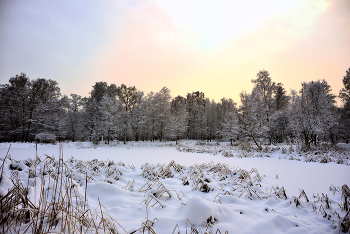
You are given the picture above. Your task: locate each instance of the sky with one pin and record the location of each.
(216, 47)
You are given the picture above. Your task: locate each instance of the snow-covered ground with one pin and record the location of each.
(223, 193)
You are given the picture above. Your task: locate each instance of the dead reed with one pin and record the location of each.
(57, 205)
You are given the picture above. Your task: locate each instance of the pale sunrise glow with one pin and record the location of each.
(216, 47)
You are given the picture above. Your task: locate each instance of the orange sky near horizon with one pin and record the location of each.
(187, 46)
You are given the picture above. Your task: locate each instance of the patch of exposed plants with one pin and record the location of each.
(323, 153)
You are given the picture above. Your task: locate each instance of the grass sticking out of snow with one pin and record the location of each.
(45, 194)
(323, 153)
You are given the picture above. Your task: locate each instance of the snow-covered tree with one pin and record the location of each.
(14, 107)
(102, 112)
(280, 99)
(278, 123)
(344, 120)
(312, 113)
(108, 125)
(266, 88)
(279, 126)
(177, 124)
(251, 119)
(344, 93)
(75, 118)
(222, 113)
(196, 115)
(162, 108)
(211, 125)
(150, 118)
(129, 98)
(230, 126)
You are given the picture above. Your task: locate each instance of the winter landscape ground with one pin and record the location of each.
(193, 187)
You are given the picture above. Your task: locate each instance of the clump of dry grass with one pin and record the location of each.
(227, 154)
(245, 146)
(59, 206)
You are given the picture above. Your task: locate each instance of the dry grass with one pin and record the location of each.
(59, 206)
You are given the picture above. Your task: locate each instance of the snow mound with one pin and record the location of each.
(199, 211)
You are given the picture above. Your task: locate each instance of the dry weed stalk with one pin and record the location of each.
(59, 206)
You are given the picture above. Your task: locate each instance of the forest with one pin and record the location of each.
(35, 110)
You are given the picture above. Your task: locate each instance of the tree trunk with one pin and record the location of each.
(332, 139)
(259, 147)
(23, 122)
(29, 123)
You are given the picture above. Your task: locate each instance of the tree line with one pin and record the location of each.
(35, 110)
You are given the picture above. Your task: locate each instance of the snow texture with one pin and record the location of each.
(144, 183)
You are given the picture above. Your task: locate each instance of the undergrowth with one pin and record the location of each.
(322, 153)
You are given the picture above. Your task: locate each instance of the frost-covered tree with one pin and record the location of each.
(108, 124)
(53, 118)
(312, 113)
(162, 108)
(177, 124)
(139, 121)
(156, 107)
(266, 89)
(14, 107)
(222, 111)
(150, 117)
(230, 126)
(42, 95)
(344, 93)
(344, 119)
(211, 128)
(251, 118)
(129, 98)
(280, 99)
(75, 118)
(29, 107)
(101, 110)
(196, 115)
(92, 110)
(279, 124)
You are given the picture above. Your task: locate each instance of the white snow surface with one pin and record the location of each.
(180, 206)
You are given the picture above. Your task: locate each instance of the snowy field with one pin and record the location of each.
(166, 189)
